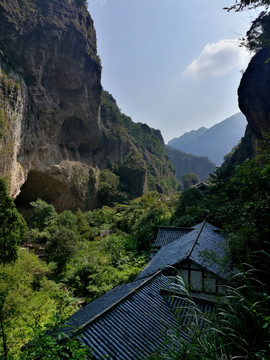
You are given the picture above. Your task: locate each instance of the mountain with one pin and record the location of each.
(59, 131)
(192, 135)
(188, 163)
(215, 142)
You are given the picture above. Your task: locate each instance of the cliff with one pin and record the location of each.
(143, 164)
(253, 93)
(254, 102)
(188, 163)
(53, 144)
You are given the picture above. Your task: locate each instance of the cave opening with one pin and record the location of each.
(39, 186)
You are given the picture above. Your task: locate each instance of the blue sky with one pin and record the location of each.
(172, 64)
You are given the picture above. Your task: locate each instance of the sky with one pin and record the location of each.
(172, 64)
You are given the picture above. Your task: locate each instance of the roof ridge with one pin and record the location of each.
(197, 238)
(117, 302)
(177, 227)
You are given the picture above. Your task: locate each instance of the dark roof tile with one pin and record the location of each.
(135, 327)
(166, 235)
(203, 245)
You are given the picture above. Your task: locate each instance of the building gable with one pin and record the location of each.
(203, 245)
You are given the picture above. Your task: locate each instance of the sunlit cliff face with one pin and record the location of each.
(54, 127)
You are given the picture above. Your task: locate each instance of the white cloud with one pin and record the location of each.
(218, 59)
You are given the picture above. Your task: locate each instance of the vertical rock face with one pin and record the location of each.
(50, 96)
(53, 141)
(254, 95)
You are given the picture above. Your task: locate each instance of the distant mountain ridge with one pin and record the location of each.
(215, 142)
(188, 136)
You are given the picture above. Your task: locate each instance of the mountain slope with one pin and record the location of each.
(214, 142)
(192, 135)
(188, 163)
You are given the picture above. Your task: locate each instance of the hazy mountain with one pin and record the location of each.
(188, 163)
(214, 142)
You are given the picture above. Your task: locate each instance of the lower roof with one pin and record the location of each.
(137, 322)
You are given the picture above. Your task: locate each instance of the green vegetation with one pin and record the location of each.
(190, 179)
(86, 254)
(43, 344)
(13, 227)
(144, 165)
(239, 203)
(43, 214)
(28, 298)
(250, 4)
(238, 329)
(81, 2)
(109, 189)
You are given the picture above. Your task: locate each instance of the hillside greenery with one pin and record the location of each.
(144, 165)
(100, 249)
(69, 259)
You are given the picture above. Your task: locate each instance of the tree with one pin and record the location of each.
(190, 209)
(62, 245)
(258, 36)
(13, 227)
(250, 4)
(190, 179)
(28, 298)
(44, 213)
(82, 226)
(68, 220)
(108, 188)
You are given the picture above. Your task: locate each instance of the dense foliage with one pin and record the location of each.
(239, 202)
(28, 297)
(239, 329)
(86, 254)
(13, 227)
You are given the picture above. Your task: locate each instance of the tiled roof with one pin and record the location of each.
(132, 321)
(203, 245)
(89, 312)
(136, 326)
(166, 235)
